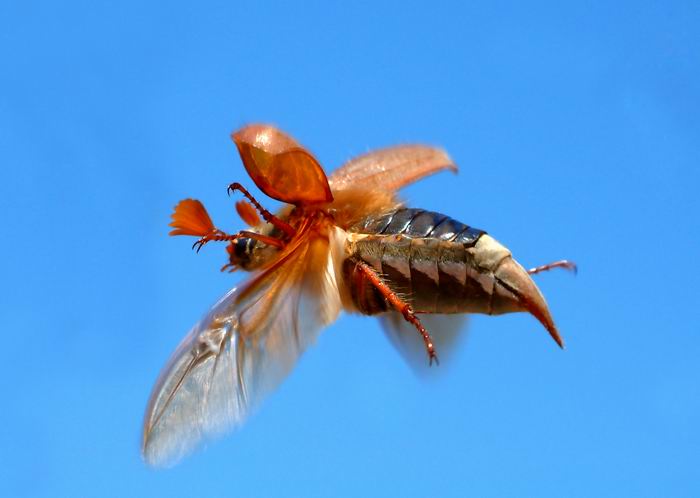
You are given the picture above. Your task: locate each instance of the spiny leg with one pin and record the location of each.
(267, 215)
(401, 306)
(219, 236)
(564, 263)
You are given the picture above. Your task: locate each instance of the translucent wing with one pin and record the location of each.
(391, 168)
(280, 167)
(241, 350)
(446, 330)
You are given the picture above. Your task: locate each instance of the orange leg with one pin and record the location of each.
(401, 306)
(267, 215)
(219, 236)
(564, 263)
(215, 235)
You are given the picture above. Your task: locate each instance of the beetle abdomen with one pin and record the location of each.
(427, 258)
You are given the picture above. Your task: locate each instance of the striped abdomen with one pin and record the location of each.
(429, 259)
(418, 223)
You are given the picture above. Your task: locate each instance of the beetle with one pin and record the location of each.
(344, 242)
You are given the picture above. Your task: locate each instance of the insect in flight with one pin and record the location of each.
(343, 242)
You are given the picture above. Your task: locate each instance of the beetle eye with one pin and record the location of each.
(240, 248)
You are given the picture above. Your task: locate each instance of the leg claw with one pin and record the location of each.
(215, 235)
(433, 357)
(199, 244)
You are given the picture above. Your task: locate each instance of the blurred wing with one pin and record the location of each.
(447, 331)
(391, 168)
(280, 167)
(240, 351)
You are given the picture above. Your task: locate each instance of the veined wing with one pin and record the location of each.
(446, 330)
(391, 168)
(241, 350)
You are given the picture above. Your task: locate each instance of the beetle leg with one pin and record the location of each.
(265, 239)
(229, 267)
(401, 306)
(564, 263)
(215, 235)
(267, 215)
(219, 236)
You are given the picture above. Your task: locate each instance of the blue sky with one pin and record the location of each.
(577, 131)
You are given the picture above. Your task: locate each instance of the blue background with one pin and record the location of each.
(577, 130)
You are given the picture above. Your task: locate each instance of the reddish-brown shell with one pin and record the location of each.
(280, 167)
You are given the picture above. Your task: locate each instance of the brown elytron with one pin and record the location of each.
(342, 243)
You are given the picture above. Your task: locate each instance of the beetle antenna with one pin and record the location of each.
(248, 213)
